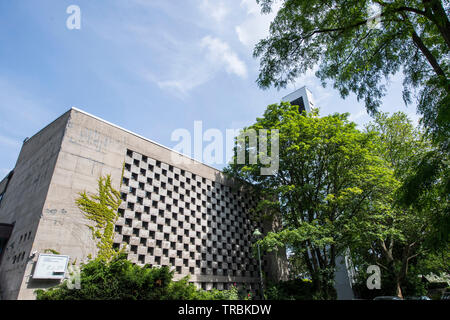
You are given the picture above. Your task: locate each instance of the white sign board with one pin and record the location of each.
(51, 266)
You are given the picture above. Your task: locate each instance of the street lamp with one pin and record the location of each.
(257, 234)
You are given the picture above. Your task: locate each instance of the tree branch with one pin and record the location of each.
(427, 53)
(436, 13)
(384, 267)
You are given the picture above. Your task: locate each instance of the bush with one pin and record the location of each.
(120, 279)
(297, 289)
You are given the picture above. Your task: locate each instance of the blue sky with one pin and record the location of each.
(150, 66)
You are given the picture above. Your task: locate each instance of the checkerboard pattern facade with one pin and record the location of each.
(172, 217)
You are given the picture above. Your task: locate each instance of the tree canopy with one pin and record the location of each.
(400, 236)
(359, 45)
(329, 174)
(338, 188)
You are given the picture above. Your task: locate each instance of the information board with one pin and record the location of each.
(51, 266)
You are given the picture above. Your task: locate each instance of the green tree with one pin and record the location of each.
(413, 36)
(429, 182)
(329, 176)
(295, 289)
(102, 209)
(399, 235)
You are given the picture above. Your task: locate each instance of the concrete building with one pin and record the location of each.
(301, 97)
(175, 211)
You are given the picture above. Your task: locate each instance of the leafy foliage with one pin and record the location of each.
(102, 210)
(400, 238)
(297, 289)
(329, 179)
(359, 49)
(51, 251)
(412, 285)
(339, 188)
(119, 279)
(428, 183)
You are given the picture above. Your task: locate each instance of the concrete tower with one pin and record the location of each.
(344, 274)
(302, 98)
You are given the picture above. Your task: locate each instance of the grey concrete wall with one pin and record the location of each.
(90, 149)
(4, 183)
(23, 202)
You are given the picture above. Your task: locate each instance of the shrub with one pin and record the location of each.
(119, 279)
(297, 289)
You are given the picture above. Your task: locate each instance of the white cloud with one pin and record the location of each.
(197, 67)
(179, 64)
(251, 6)
(216, 9)
(360, 117)
(179, 85)
(256, 26)
(182, 85)
(219, 52)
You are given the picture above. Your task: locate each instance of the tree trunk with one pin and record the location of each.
(308, 263)
(313, 267)
(440, 18)
(427, 53)
(403, 271)
(312, 256)
(399, 289)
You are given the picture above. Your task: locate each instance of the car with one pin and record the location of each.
(387, 298)
(417, 298)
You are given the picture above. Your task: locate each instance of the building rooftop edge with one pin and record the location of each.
(141, 137)
(295, 91)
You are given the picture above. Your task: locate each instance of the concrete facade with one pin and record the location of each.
(175, 211)
(302, 98)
